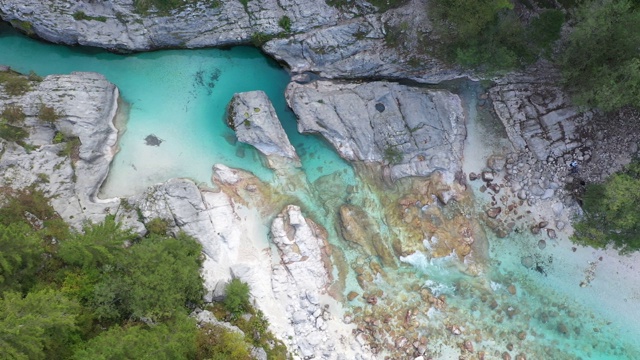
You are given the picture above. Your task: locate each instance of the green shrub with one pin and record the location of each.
(58, 138)
(489, 36)
(236, 300)
(218, 343)
(14, 83)
(285, 23)
(48, 113)
(258, 39)
(545, 29)
(392, 155)
(157, 226)
(81, 15)
(71, 148)
(34, 77)
(13, 113)
(12, 133)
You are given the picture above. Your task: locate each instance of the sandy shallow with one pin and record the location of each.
(602, 286)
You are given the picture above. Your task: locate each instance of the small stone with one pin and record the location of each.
(521, 356)
(506, 356)
(487, 176)
(522, 335)
(468, 345)
(494, 212)
(496, 162)
(455, 330)
(548, 194)
(493, 305)
(401, 342)
(542, 244)
(473, 176)
(372, 300)
(527, 261)
(522, 194)
(352, 295)
(560, 225)
(562, 328)
(543, 224)
(512, 289)
(535, 230)
(551, 233)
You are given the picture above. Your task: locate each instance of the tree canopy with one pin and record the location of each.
(106, 293)
(612, 212)
(601, 60)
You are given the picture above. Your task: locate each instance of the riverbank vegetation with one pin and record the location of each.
(598, 57)
(493, 36)
(612, 212)
(601, 60)
(106, 293)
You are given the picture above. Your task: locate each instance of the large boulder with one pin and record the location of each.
(85, 104)
(415, 130)
(256, 123)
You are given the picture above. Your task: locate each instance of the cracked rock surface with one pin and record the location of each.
(86, 104)
(418, 131)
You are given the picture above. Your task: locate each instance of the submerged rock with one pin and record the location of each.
(153, 140)
(256, 123)
(357, 227)
(420, 131)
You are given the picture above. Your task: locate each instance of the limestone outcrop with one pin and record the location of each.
(256, 123)
(118, 25)
(70, 169)
(361, 47)
(300, 282)
(415, 130)
(340, 40)
(537, 114)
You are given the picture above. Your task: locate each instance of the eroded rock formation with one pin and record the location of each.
(256, 123)
(417, 131)
(83, 106)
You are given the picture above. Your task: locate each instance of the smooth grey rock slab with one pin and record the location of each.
(418, 131)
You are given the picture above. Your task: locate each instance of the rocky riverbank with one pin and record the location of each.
(400, 131)
(69, 141)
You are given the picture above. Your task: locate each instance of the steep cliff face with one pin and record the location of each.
(117, 25)
(350, 40)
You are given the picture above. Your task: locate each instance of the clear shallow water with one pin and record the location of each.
(181, 95)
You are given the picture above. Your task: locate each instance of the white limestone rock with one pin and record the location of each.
(87, 104)
(418, 131)
(256, 123)
(116, 25)
(537, 114)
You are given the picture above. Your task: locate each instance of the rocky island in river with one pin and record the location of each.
(441, 231)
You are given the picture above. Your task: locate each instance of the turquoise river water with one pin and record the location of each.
(181, 97)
